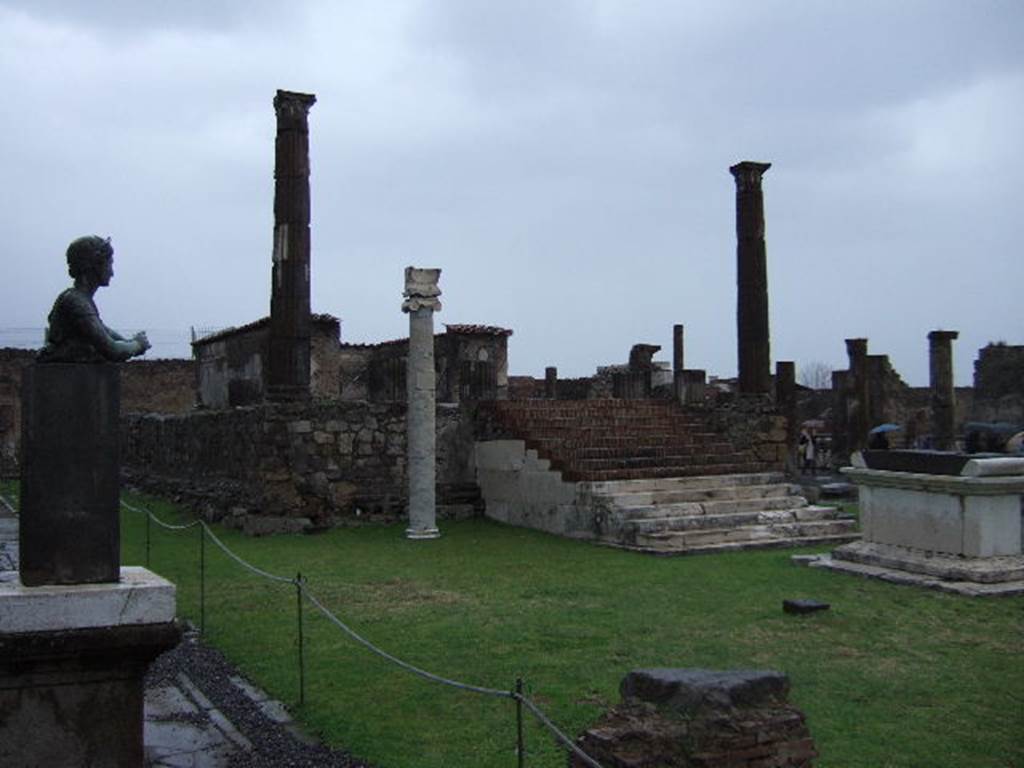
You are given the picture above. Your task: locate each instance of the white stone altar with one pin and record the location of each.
(954, 532)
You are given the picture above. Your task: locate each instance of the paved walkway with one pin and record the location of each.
(200, 712)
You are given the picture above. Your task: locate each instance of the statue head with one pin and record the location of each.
(91, 256)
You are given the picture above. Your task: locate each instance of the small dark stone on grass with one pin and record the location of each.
(804, 606)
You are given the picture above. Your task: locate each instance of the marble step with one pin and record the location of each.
(738, 546)
(666, 497)
(750, 534)
(684, 482)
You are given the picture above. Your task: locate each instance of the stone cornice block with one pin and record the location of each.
(140, 597)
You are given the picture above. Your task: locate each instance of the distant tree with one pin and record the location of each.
(816, 375)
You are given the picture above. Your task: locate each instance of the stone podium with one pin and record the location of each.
(938, 519)
(69, 531)
(77, 631)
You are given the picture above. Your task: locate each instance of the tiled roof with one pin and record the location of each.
(482, 330)
(255, 325)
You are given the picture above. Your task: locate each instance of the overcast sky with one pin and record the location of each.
(564, 163)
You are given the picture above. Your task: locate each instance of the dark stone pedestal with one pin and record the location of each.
(70, 474)
(74, 698)
(699, 718)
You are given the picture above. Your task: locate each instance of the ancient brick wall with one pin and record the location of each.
(158, 386)
(320, 464)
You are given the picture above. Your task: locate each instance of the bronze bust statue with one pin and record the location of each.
(75, 333)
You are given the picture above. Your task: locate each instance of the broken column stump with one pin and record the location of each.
(701, 718)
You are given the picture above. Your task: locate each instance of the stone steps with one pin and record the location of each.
(739, 546)
(667, 497)
(745, 534)
(771, 508)
(683, 483)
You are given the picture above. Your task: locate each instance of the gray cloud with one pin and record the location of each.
(565, 163)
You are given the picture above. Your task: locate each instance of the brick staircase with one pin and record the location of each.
(591, 440)
(653, 477)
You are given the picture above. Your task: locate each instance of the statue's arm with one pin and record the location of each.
(109, 344)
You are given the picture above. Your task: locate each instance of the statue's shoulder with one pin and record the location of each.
(74, 302)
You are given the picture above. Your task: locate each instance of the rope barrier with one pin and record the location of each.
(160, 522)
(566, 741)
(299, 583)
(404, 665)
(243, 563)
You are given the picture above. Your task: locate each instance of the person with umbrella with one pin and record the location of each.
(878, 436)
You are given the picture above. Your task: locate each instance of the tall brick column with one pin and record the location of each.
(421, 301)
(754, 353)
(943, 399)
(288, 366)
(857, 419)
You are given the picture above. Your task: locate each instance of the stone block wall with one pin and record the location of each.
(295, 466)
(752, 422)
(158, 386)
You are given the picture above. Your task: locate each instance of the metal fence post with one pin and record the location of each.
(302, 664)
(147, 539)
(520, 757)
(202, 579)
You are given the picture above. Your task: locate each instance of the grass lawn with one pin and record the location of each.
(890, 676)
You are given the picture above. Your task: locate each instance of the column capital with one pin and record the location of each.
(748, 174)
(942, 336)
(421, 289)
(292, 106)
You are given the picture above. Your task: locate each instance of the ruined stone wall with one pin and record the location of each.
(158, 386)
(530, 388)
(999, 384)
(752, 422)
(295, 466)
(12, 361)
(999, 371)
(232, 364)
(470, 365)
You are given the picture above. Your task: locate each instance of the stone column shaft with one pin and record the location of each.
(943, 397)
(785, 401)
(753, 347)
(421, 301)
(857, 420)
(288, 369)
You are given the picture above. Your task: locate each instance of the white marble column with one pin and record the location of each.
(421, 301)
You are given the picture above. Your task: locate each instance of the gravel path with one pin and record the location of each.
(274, 744)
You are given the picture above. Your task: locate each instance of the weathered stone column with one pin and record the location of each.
(754, 353)
(678, 384)
(785, 401)
(943, 399)
(421, 301)
(551, 382)
(857, 416)
(288, 366)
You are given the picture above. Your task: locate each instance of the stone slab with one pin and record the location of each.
(895, 576)
(981, 570)
(804, 606)
(690, 690)
(140, 597)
